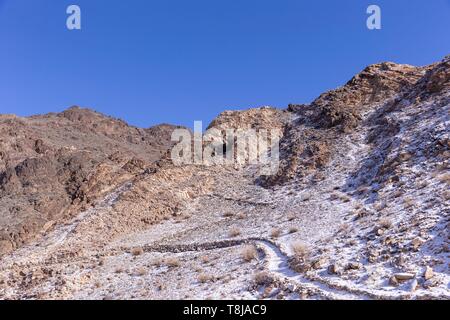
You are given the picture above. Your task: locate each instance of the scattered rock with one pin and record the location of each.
(353, 265)
(413, 285)
(416, 244)
(334, 269)
(319, 263)
(393, 281)
(47, 226)
(428, 273)
(403, 276)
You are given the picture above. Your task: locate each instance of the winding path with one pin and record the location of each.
(276, 261)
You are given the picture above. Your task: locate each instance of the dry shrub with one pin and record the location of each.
(198, 269)
(444, 177)
(362, 213)
(204, 278)
(249, 253)
(241, 216)
(263, 279)
(291, 217)
(275, 233)
(157, 262)
(205, 259)
(334, 196)
(118, 270)
(137, 251)
(140, 271)
(172, 262)
(397, 193)
(408, 202)
(299, 249)
(306, 197)
(345, 227)
(385, 223)
(421, 184)
(234, 232)
(380, 206)
(446, 195)
(404, 156)
(228, 214)
(293, 230)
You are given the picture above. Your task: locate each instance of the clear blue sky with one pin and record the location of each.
(176, 61)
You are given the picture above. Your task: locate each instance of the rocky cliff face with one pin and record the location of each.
(311, 140)
(358, 208)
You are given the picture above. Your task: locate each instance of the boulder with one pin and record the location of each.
(428, 273)
(404, 276)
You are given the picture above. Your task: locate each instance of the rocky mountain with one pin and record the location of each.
(53, 166)
(358, 209)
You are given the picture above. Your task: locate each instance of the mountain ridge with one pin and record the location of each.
(358, 208)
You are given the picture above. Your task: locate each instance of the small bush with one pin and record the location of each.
(205, 259)
(345, 227)
(444, 178)
(275, 233)
(235, 232)
(263, 279)
(404, 156)
(380, 206)
(158, 262)
(421, 184)
(334, 196)
(446, 195)
(249, 253)
(119, 270)
(299, 249)
(362, 213)
(293, 230)
(172, 262)
(291, 217)
(140, 271)
(397, 193)
(241, 216)
(204, 278)
(306, 197)
(385, 223)
(408, 202)
(137, 251)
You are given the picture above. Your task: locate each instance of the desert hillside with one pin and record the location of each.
(93, 208)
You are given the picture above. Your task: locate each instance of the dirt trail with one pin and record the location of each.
(276, 262)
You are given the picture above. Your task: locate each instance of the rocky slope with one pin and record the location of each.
(359, 208)
(53, 166)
